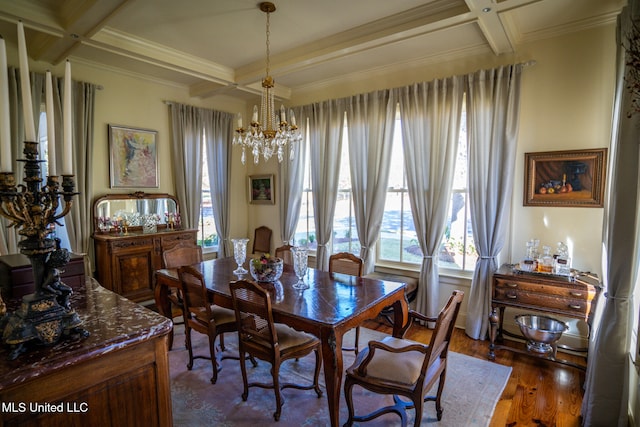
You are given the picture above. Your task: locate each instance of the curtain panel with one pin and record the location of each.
(326, 120)
(430, 114)
(291, 182)
(370, 123)
(493, 104)
(606, 398)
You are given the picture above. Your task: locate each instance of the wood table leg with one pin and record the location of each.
(493, 329)
(332, 362)
(163, 304)
(400, 317)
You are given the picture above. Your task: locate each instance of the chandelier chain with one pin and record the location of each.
(268, 45)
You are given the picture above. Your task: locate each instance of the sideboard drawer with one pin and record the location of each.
(558, 304)
(565, 290)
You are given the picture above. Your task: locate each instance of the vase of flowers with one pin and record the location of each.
(266, 268)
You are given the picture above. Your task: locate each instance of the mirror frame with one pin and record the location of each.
(138, 195)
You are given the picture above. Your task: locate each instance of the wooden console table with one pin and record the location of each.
(574, 297)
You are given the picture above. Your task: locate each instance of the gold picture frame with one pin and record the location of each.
(261, 190)
(573, 178)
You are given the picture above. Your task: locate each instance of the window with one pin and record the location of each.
(398, 238)
(207, 235)
(398, 242)
(59, 232)
(305, 234)
(345, 233)
(458, 251)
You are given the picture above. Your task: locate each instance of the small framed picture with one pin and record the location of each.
(572, 178)
(133, 157)
(261, 190)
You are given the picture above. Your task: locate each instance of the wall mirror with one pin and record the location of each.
(135, 208)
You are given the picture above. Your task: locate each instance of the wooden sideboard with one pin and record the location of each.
(117, 376)
(126, 263)
(16, 275)
(574, 297)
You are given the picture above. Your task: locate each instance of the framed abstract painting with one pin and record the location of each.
(133, 157)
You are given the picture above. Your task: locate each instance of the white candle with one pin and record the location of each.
(254, 119)
(292, 117)
(67, 158)
(239, 121)
(5, 126)
(25, 86)
(51, 131)
(283, 114)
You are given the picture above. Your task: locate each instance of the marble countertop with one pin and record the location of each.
(113, 322)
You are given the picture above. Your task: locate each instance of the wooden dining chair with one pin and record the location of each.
(401, 367)
(347, 263)
(284, 252)
(262, 240)
(186, 253)
(203, 317)
(261, 337)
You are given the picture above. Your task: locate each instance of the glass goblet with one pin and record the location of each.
(300, 265)
(240, 255)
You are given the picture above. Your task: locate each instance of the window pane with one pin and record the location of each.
(306, 229)
(207, 235)
(345, 234)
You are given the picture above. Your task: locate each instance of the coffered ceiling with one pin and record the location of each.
(218, 46)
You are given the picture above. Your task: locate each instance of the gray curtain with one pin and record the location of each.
(493, 104)
(606, 398)
(9, 236)
(371, 119)
(430, 115)
(325, 131)
(78, 221)
(218, 128)
(187, 133)
(290, 184)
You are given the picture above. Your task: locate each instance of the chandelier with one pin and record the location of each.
(269, 133)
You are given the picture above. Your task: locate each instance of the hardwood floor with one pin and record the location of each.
(539, 393)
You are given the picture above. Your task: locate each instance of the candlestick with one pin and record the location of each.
(5, 126)
(25, 86)
(67, 158)
(51, 131)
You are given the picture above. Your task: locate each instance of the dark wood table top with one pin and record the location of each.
(331, 299)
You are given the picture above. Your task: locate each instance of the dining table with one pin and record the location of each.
(333, 304)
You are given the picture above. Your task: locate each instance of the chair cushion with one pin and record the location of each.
(289, 337)
(403, 368)
(221, 315)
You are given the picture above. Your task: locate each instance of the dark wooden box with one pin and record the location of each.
(16, 275)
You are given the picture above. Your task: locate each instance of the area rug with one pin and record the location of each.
(473, 387)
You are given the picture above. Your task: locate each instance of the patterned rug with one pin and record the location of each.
(471, 392)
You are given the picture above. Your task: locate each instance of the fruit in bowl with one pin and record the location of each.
(266, 268)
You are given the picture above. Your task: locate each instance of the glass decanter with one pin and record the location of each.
(240, 255)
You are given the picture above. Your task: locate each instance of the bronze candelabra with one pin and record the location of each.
(44, 316)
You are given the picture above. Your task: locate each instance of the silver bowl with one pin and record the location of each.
(542, 332)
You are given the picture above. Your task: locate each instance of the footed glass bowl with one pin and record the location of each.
(266, 272)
